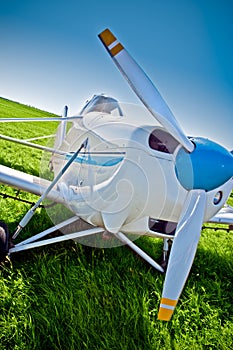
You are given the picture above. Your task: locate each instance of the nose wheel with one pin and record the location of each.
(4, 241)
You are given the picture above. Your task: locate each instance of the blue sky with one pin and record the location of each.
(50, 56)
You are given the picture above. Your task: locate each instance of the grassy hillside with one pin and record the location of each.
(70, 296)
(21, 157)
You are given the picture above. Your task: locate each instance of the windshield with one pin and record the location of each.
(104, 104)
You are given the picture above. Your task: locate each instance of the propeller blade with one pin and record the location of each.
(144, 88)
(182, 252)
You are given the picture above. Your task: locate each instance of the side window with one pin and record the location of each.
(162, 141)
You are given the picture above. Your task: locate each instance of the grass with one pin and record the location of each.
(69, 296)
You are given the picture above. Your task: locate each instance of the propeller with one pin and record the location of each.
(144, 88)
(193, 170)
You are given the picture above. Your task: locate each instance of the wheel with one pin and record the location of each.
(4, 241)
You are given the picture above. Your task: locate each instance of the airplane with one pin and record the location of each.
(129, 175)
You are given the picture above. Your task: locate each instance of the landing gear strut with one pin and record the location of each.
(167, 244)
(4, 241)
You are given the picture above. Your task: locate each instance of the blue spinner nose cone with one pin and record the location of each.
(207, 167)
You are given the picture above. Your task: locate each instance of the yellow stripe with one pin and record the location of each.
(165, 314)
(169, 302)
(116, 49)
(107, 37)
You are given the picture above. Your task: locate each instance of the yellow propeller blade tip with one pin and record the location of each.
(165, 314)
(107, 37)
(167, 307)
(110, 42)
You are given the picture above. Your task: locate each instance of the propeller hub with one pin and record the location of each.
(207, 167)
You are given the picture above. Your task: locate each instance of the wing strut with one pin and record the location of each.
(31, 211)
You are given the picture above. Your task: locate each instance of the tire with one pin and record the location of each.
(4, 241)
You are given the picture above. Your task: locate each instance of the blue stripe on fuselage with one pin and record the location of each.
(96, 160)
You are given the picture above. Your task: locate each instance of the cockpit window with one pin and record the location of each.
(104, 104)
(162, 141)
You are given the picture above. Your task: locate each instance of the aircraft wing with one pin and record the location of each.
(28, 183)
(224, 216)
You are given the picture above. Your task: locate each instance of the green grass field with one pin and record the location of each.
(70, 296)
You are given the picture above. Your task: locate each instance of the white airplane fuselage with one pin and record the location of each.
(128, 174)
